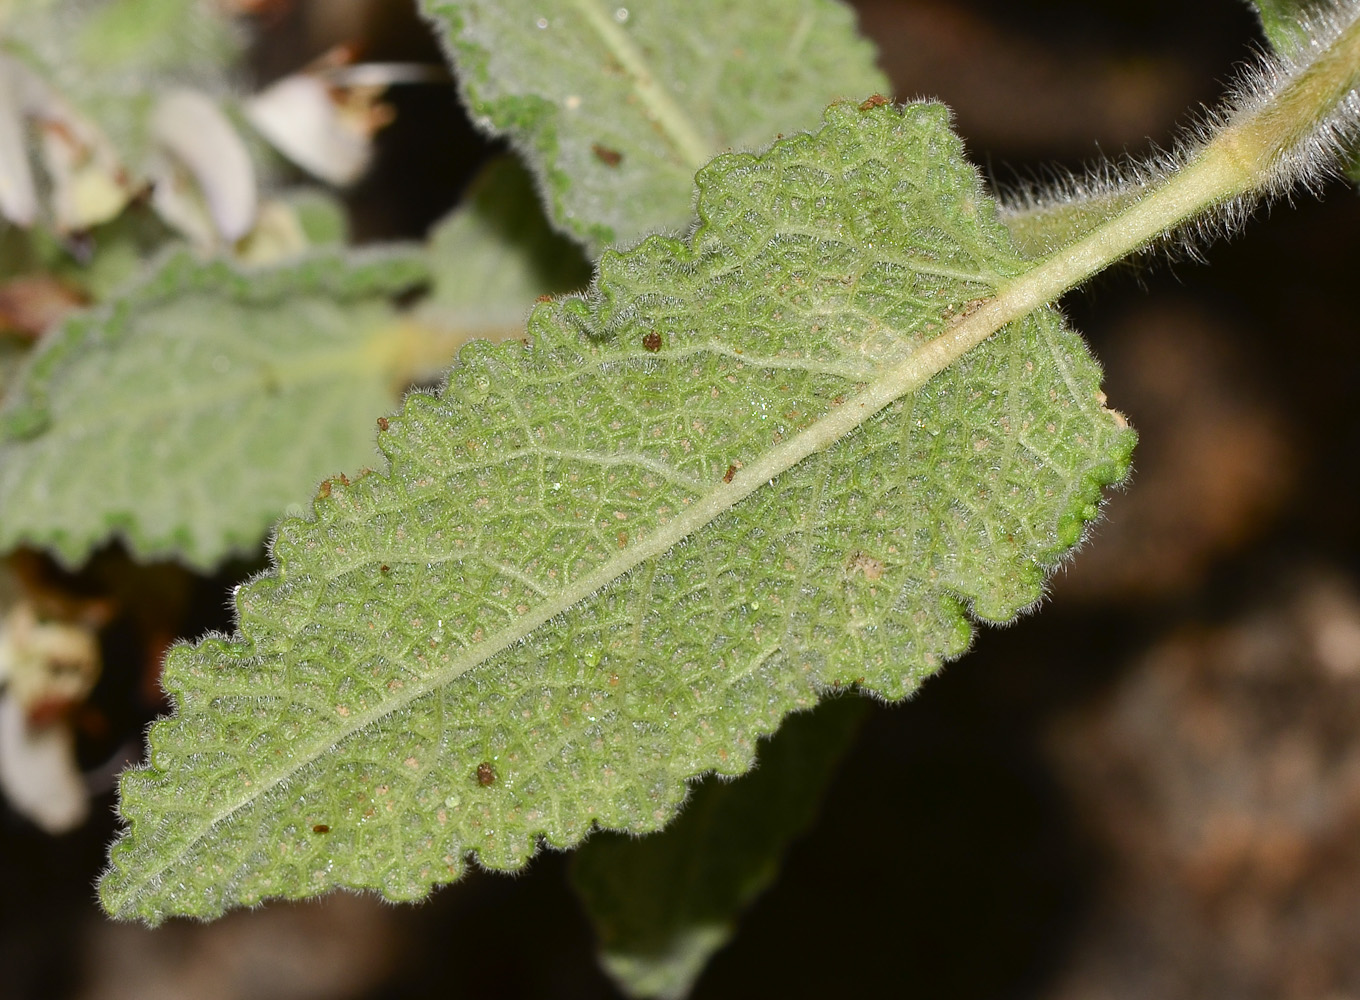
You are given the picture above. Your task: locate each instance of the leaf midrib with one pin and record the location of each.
(665, 112)
(1220, 172)
(898, 380)
(1184, 195)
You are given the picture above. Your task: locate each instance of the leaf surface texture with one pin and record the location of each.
(589, 572)
(615, 106)
(1282, 21)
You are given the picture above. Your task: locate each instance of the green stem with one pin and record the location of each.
(1251, 154)
(1246, 156)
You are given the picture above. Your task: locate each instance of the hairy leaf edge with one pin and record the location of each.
(1015, 299)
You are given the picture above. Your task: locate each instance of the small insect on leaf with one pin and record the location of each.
(877, 101)
(609, 157)
(652, 342)
(486, 774)
(731, 471)
(321, 828)
(382, 423)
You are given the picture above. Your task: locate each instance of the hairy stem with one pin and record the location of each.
(1245, 157)
(1266, 148)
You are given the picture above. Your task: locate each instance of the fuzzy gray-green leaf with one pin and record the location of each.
(187, 414)
(616, 105)
(597, 566)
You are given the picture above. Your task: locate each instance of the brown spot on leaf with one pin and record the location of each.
(862, 562)
(321, 828)
(652, 341)
(609, 157)
(971, 306)
(384, 568)
(486, 774)
(32, 304)
(877, 101)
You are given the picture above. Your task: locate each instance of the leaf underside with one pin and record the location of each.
(186, 414)
(615, 115)
(473, 651)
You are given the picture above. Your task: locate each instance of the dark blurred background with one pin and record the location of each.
(1149, 789)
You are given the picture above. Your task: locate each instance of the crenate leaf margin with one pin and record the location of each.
(292, 811)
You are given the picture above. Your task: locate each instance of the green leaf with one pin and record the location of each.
(321, 216)
(615, 106)
(607, 561)
(1282, 21)
(153, 36)
(1286, 27)
(663, 904)
(493, 256)
(12, 354)
(186, 414)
